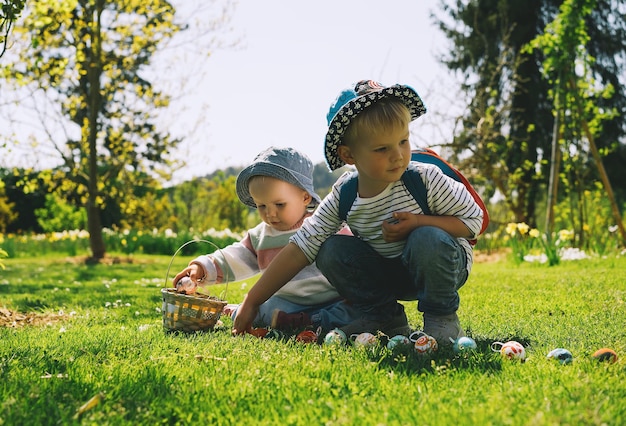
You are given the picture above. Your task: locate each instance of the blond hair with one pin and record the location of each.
(381, 117)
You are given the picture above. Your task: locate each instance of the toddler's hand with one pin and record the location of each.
(193, 271)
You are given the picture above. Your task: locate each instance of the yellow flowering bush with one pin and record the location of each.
(526, 242)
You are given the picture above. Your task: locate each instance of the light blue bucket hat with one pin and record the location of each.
(354, 100)
(285, 164)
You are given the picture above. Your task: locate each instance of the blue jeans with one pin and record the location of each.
(431, 269)
(336, 313)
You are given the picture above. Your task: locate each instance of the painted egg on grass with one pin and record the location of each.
(423, 343)
(258, 332)
(562, 355)
(306, 336)
(275, 334)
(335, 337)
(606, 355)
(398, 342)
(365, 340)
(511, 350)
(464, 344)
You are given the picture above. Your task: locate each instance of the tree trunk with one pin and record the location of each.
(94, 222)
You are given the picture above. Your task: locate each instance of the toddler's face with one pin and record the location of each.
(280, 204)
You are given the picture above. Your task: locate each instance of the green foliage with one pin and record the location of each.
(58, 215)
(109, 342)
(7, 212)
(224, 205)
(129, 242)
(10, 10)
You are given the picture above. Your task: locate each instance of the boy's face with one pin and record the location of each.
(380, 159)
(280, 204)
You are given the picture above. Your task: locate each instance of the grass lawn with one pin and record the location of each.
(85, 345)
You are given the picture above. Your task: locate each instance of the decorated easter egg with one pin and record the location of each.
(398, 342)
(335, 337)
(366, 340)
(464, 344)
(511, 350)
(258, 332)
(306, 336)
(275, 334)
(186, 286)
(423, 343)
(605, 354)
(562, 355)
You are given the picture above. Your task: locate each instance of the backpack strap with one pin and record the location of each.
(414, 183)
(347, 195)
(411, 179)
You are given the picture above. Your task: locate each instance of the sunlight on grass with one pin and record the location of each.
(109, 354)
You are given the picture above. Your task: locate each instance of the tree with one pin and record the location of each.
(508, 125)
(9, 12)
(86, 61)
(575, 96)
(58, 215)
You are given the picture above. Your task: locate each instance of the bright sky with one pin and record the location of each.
(295, 58)
(276, 86)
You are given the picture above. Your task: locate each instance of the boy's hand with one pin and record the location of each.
(399, 227)
(246, 313)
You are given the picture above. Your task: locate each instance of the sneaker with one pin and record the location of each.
(290, 322)
(445, 328)
(398, 324)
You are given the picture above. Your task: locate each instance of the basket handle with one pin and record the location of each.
(223, 295)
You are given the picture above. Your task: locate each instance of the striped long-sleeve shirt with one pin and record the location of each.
(254, 253)
(446, 197)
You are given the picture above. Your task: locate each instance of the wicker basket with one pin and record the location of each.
(190, 312)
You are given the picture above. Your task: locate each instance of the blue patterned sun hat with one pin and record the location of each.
(351, 102)
(286, 164)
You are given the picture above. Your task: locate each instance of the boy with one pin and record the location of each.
(279, 184)
(397, 252)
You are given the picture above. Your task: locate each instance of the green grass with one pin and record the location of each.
(111, 342)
